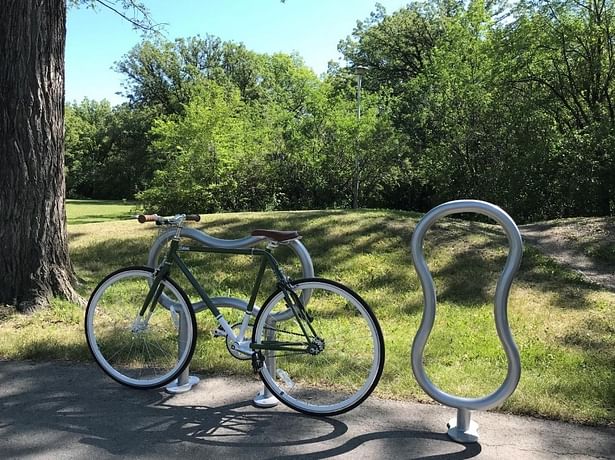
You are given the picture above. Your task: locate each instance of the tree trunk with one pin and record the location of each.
(34, 262)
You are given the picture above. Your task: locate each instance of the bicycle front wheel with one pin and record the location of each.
(336, 366)
(140, 352)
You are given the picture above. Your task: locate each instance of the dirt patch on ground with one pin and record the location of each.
(585, 244)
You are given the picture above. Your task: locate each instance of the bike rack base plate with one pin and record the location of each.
(176, 388)
(464, 435)
(265, 399)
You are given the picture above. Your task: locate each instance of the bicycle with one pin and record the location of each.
(316, 344)
(233, 307)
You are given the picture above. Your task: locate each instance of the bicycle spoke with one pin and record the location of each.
(340, 365)
(143, 354)
(290, 353)
(149, 355)
(112, 357)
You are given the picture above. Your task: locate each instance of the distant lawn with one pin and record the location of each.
(90, 211)
(563, 326)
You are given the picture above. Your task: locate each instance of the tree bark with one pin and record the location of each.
(34, 261)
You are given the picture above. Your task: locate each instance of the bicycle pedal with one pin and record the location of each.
(258, 361)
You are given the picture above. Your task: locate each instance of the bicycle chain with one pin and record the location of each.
(282, 330)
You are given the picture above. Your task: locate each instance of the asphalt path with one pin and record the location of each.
(72, 411)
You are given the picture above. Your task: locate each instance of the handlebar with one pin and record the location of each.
(142, 218)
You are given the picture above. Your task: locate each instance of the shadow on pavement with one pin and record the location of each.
(53, 409)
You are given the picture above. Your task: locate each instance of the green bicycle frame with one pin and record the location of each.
(293, 302)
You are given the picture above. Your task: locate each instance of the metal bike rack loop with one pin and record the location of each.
(462, 428)
(186, 381)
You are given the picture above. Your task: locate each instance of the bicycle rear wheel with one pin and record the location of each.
(140, 352)
(334, 370)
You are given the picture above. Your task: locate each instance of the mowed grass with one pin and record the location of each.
(562, 325)
(90, 211)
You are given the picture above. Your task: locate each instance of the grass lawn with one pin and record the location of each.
(90, 211)
(562, 325)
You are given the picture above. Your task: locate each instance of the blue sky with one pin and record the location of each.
(313, 28)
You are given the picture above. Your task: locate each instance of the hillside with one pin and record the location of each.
(585, 244)
(562, 323)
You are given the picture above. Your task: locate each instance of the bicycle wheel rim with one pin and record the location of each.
(341, 376)
(139, 355)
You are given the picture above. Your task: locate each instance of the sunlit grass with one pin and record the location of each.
(90, 211)
(563, 326)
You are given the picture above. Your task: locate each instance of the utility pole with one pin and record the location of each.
(359, 71)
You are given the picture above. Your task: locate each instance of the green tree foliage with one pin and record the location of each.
(210, 144)
(564, 52)
(508, 106)
(460, 99)
(395, 47)
(107, 154)
(164, 74)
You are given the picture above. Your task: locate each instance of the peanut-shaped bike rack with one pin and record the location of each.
(462, 428)
(186, 381)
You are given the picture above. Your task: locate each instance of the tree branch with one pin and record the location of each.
(144, 24)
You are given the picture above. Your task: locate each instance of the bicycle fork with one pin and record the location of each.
(149, 304)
